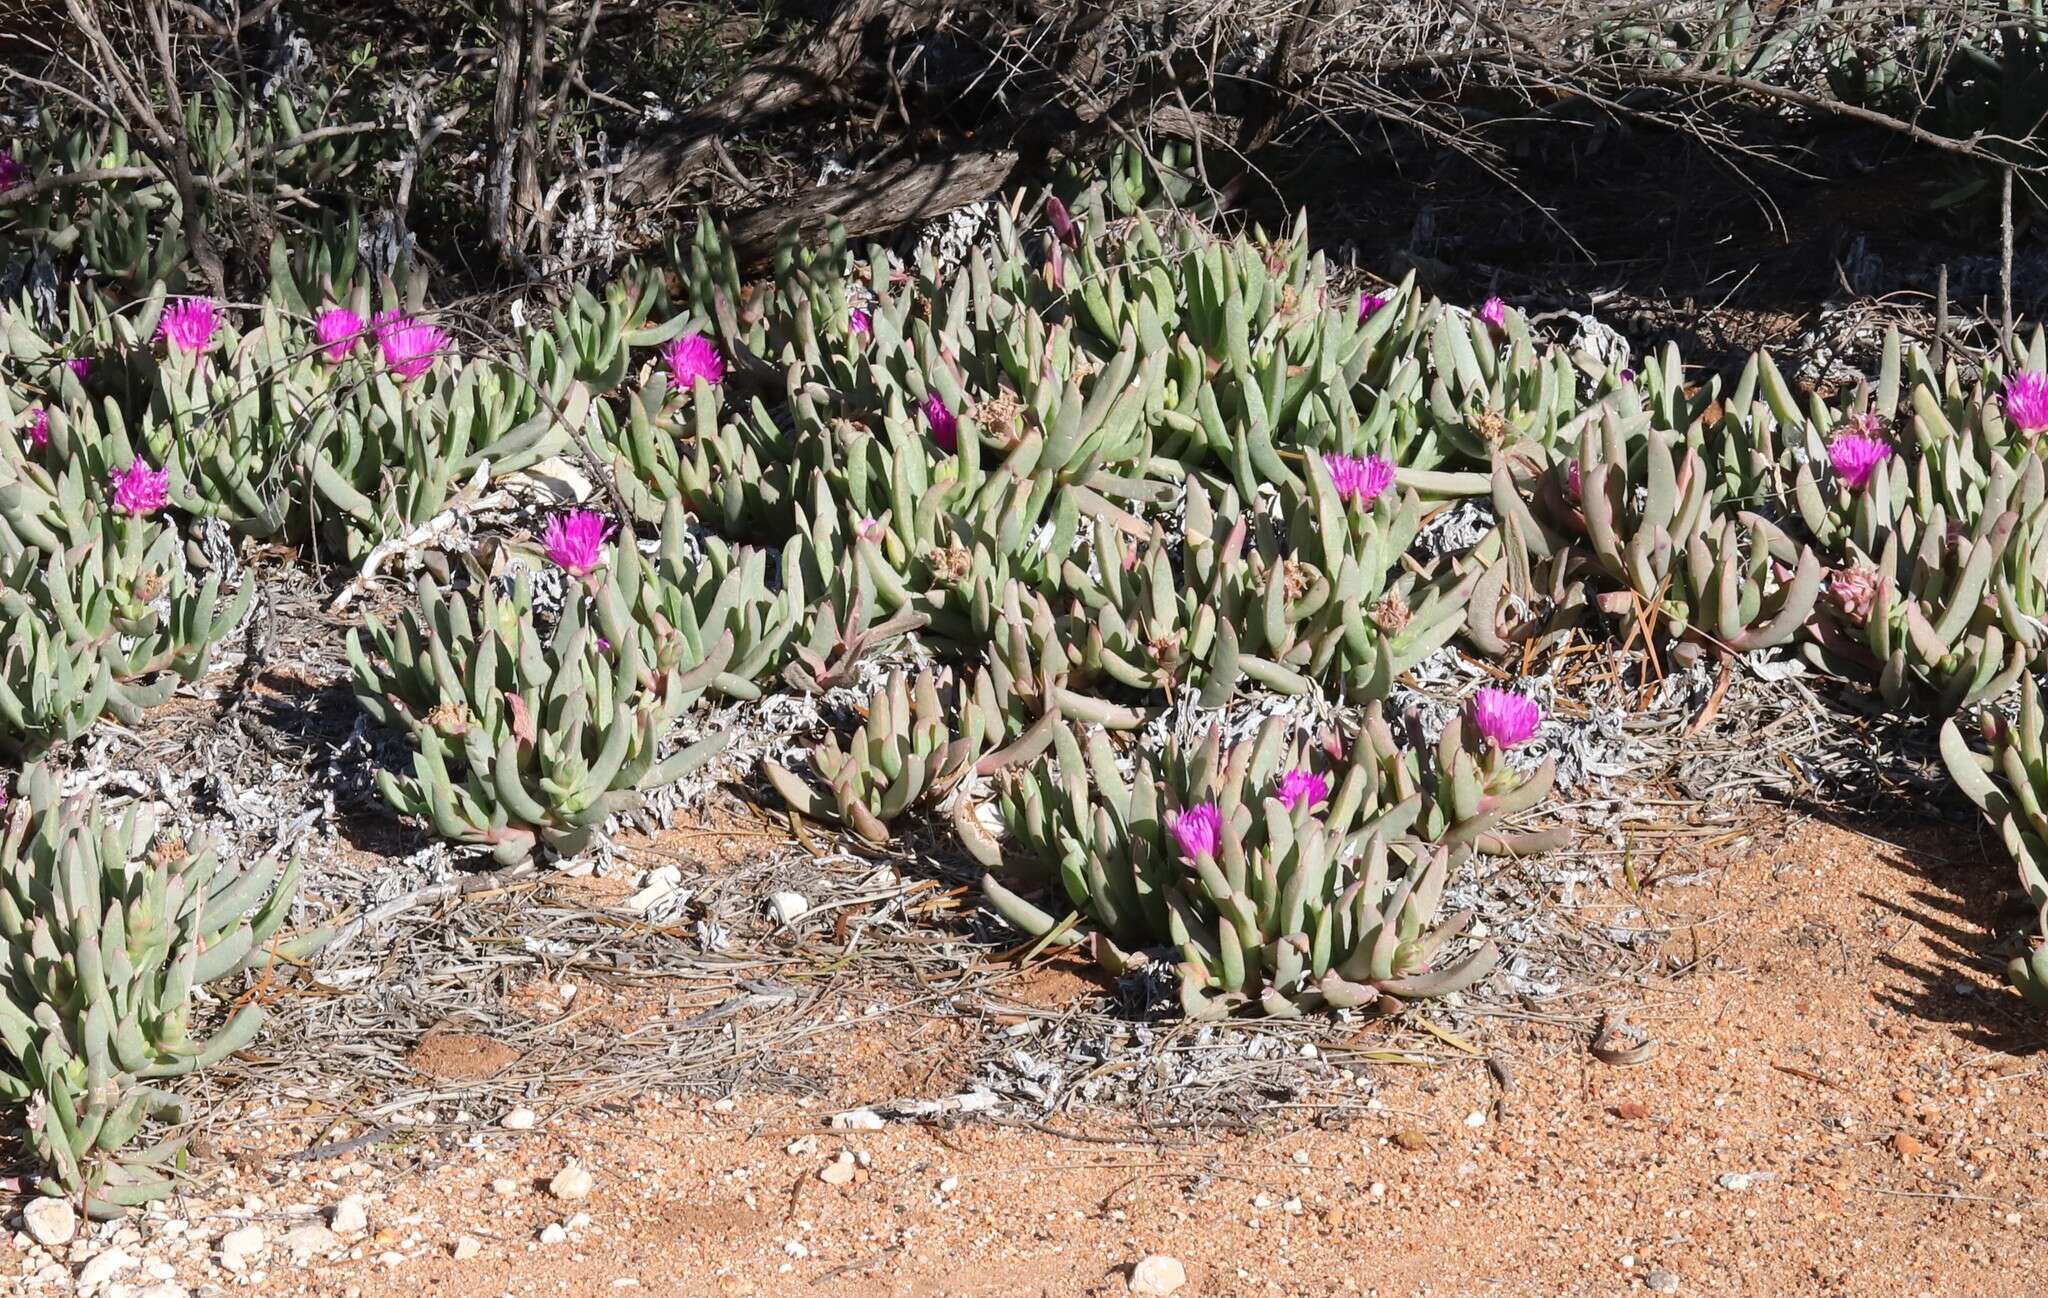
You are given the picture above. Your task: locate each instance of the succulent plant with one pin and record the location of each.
(527, 739)
(1269, 867)
(108, 928)
(2009, 784)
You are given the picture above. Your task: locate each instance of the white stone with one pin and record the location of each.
(240, 1247)
(50, 1222)
(166, 1289)
(788, 907)
(553, 1233)
(519, 1119)
(350, 1217)
(1157, 1274)
(466, 1247)
(103, 1268)
(309, 1240)
(572, 1182)
(862, 1119)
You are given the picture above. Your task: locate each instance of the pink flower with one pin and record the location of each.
(575, 540)
(2026, 400)
(1504, 718)
(1360, 481)
(1856, 457)
(12, 172)
(868, 530)
(1369, 304)
(860, 322)
(38, 428)
(385, 323)
(692, 357)
(1573, 486)
(945, 425)
(1198, 830)
(139, 490)
(79, 365)
(189, 323)
(336, 332)
(1302, 787)
(1494, 312)
(1854, 590)
(410, 348)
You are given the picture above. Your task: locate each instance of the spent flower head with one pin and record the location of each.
(1504, 718)
(575, 540)
(1856, 456)
(139, 490)
(1302, 787)
(336, 331)
(188, 324)
(692, 357)
(1854, 590)
(1199, 831)
(2026, 400)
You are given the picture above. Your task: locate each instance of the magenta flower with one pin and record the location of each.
(139, 490)
(336, 331)
(1504, 718)
(12, 172)
(1198, 830)
(1360, 481)
(189, 323)
(868, 530)
(410, 348)
(860, 322)
(2026, 400)
(692, 357)
(1856, 457)
(79, 365)
(1494, 312)
(1573, 481)
(1627, 375)
(945, 425)
(38, 428)
(575, 540)
(1302, 787)
(385, 323)
(1062, 222)
(1369, 305)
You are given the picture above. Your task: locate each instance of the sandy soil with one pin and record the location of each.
(1841, 1099)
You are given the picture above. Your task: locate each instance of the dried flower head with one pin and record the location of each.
(1391, 615)
(1854, 590)
(139, 490)
(1504, 718)
(446, 719)
(575, 540)
(692, 357)
(1856, 457)
(1296, 579)
(188, 324)
(1491, 425)
(336, 331)
(2026, 400)
(1199, 831)
(1301, 787)
(950, 563)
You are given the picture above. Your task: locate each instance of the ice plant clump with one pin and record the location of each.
(1494, 312)
(1369, 305)
(1360, 481)
(139, 490)
(1199, 831)
(2026, 400)
(1505, 719)
(410, 348)
(38, 428)
(575, 540)
(1301, 787)
(692, 357)
(945, 425)
(188, 324)
(1856, 456)
(336, 332)
(860, 322)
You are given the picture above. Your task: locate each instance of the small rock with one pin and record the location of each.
(1661, 1281)
(553, 1233)
(50, 1221)
(1906, 1146)
(839, 1171)
(788, 907)
(572, 1182)
(391, 1261)
(1741, 1180)
(519, 1119)
(166, 1289)
(309, 1240)
(858, 1120)
(1411, 1140)
(1631, 1110)
(350, 1217)
(238, 1248)
(504, 1186)
(103, 1268)
(804, 1144)
(1158, 1274)
(465, 1248)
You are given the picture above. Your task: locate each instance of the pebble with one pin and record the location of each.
(1741, 1180)
(309, 1240)
(1661, 1281)
(466, 1247)
(1158, 1274)
(1906, 1146)
(239, 1247)
(519, 1119)
(50, 1222)
(350, 1217)
(103, 1268)
(858, 1120)
(788, 907)
(839, 1171)
(553, 1233)
(504, 1186)
(572, 1182)
(167, 1289)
